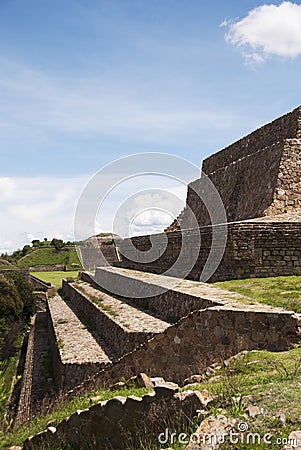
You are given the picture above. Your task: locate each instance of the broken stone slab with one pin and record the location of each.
(114, 409)
(204, 397)
(95, 399)
(254, 411)
(166, 390)
(190, 403)
(116, 386)
(211, 432)
(194, 379)
(157, 380)
(142, 380)
(294, 440)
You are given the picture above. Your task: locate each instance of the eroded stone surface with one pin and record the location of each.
(75, 343)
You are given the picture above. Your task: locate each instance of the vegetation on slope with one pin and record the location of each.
(284, 291)
(43, 253)
(270, 382)
(50, 256)
(17, 305)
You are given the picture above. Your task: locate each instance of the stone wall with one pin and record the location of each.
(38, 284)
(256, 176)
(24, 402)
(122, 422)
(201, 339)
(285, 127)
(254, 249)
(245, 186)
(287, 193)
(56, 268)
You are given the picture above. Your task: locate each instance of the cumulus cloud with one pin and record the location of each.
(268, 30)
(35, 208)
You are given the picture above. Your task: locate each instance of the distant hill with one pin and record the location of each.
(49, 256)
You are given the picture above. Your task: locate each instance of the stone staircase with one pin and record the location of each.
(120, 322)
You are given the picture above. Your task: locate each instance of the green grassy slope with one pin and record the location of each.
(50, 256)
(277, 291)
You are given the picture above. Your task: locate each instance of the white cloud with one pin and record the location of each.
(35, 208)
(268, 30)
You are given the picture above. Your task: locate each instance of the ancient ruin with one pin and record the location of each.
(179, 331)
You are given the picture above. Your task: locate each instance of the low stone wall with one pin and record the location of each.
(57, 268)
(38, 284)
(201, 339)
(121, 422)
(24, 403)
(68, 374)
(254, 249)
(121, 340)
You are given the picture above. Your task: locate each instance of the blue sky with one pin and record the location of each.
(85, 82)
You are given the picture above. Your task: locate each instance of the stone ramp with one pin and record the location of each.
(75, 352)
(114, 320)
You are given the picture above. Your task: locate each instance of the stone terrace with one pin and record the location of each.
(75, 352)
(121, 325)
(182, 297)
(75, 342)
(127, 316)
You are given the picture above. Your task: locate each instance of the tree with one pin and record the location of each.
(25, 293)
(10, 303)
(26, 249)
(57, 243)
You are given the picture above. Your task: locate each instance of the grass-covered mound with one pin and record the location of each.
(50, 256)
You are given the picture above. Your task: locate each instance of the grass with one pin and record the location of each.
(7, 373)
(55, 278)
(49, 256)
(283, 292)
(60, 412)
(98, 301)
(274, 382)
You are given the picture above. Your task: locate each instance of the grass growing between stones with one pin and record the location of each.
(60, 412)
(270, 382)
(282, 292)
(98, 301)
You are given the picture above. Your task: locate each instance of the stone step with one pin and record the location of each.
(123, 325)
(168, 297)
(75, 351)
